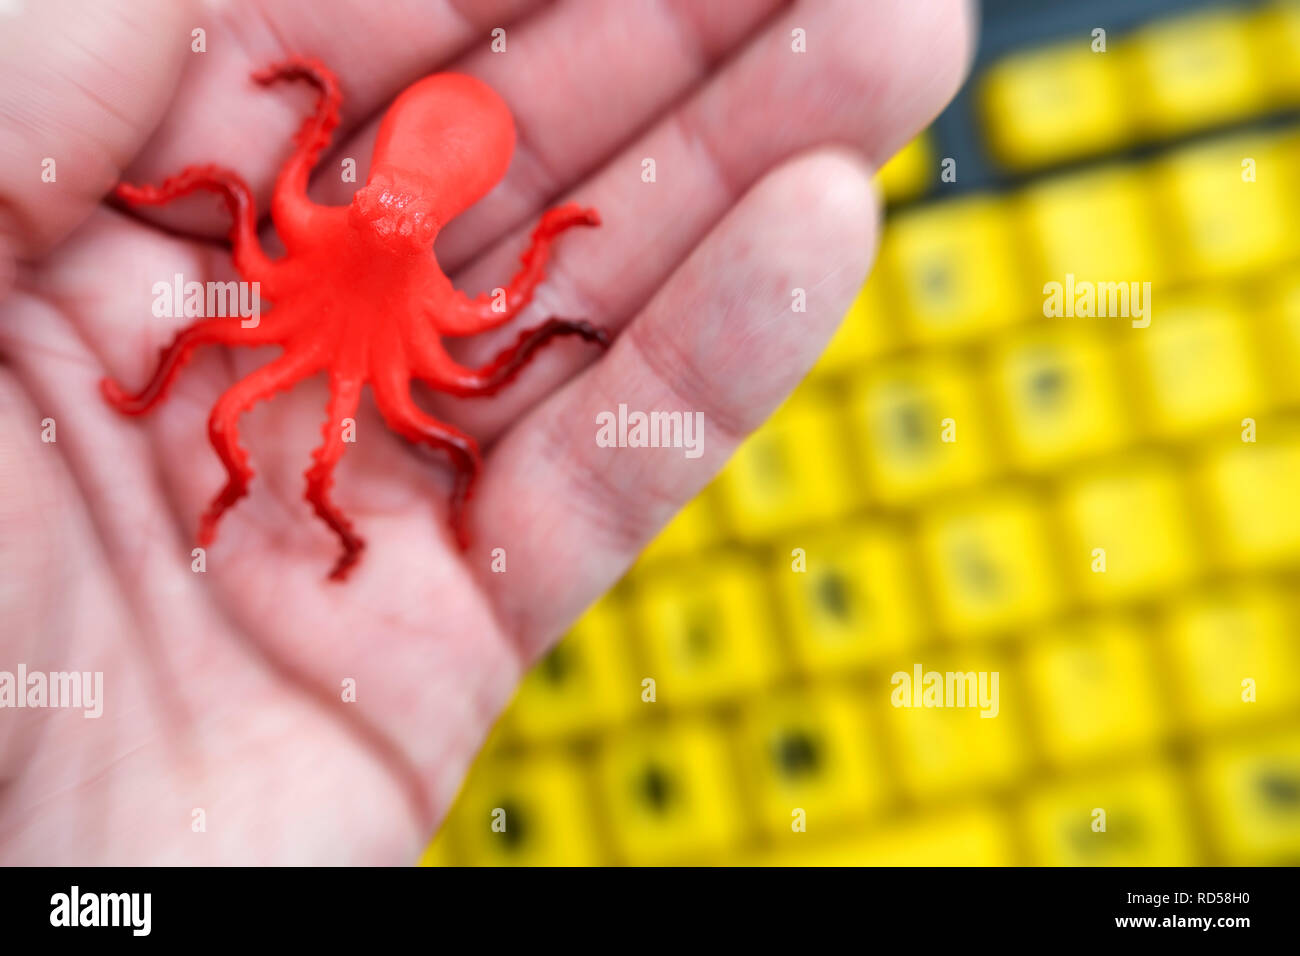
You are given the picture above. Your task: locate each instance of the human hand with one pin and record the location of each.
(223, 690)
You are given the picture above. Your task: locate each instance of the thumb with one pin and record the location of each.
(82, 84)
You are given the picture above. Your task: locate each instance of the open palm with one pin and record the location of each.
(224, 691)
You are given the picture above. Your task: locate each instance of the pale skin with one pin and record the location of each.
(223, 690)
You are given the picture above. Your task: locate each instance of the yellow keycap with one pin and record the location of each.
(1145, 817)
(989, 565)
(923, 431)
(584, 684)
(909, 173)
(854, 602)
(1226, 224)
(1236, 655)
(1195, 71)
(1095, 687)
(525, 813)
(1055, 103)
(1128, 534)
(1279, 332)
(975, 836)
(790, 473)
(1253, 792)
(1277, 46)
(1057, 390)
(1097, 226)
(810, 762)
(1197, 368)
(865, 333)
(707, 631)
(1253, 501)
(692, 530)
(947, 749)
(669, 795)
(953, 269)
(438, 853)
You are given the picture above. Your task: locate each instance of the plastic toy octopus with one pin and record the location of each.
(359, 292)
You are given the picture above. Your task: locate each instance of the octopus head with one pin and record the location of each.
(442, 145)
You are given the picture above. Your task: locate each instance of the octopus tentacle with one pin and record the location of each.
(246, 251)
(403, 416)
(465, 316)
(437, 368)
(228, 330)
(345, 394)
(290, 207)
(223, 427)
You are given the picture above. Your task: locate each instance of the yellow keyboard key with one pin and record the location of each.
(923, 430)
(1253, 791)
(864, 334)
(1196, 71)
(1055, 103)
(953, 269)
(790, 473)
(1223, 225)
(1097, 226)
(438, 853)
(669, 795)
(1253, 500)
(1095, 686)
(584, 684)
(1136, 514)
(808, 757)
(950, 749)
(854, 602)
(1232, 645)
(989, 564)
(1197, 369)
(975, 836)
(1277, 41)
(707, 632)
(693, 529)
(909, 173)
(1146, 822)
(1279, 333)
(1057, 390)
(529, 813)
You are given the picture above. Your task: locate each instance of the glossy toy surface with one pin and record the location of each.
(359, 294)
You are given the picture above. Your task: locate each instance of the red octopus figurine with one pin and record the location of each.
(359, 292)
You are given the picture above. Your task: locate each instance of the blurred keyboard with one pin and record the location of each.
(1164, 689)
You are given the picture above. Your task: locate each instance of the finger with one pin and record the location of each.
(874, 74)
(81, 86)
(580, 78)
(721, 339)
(219, 115)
